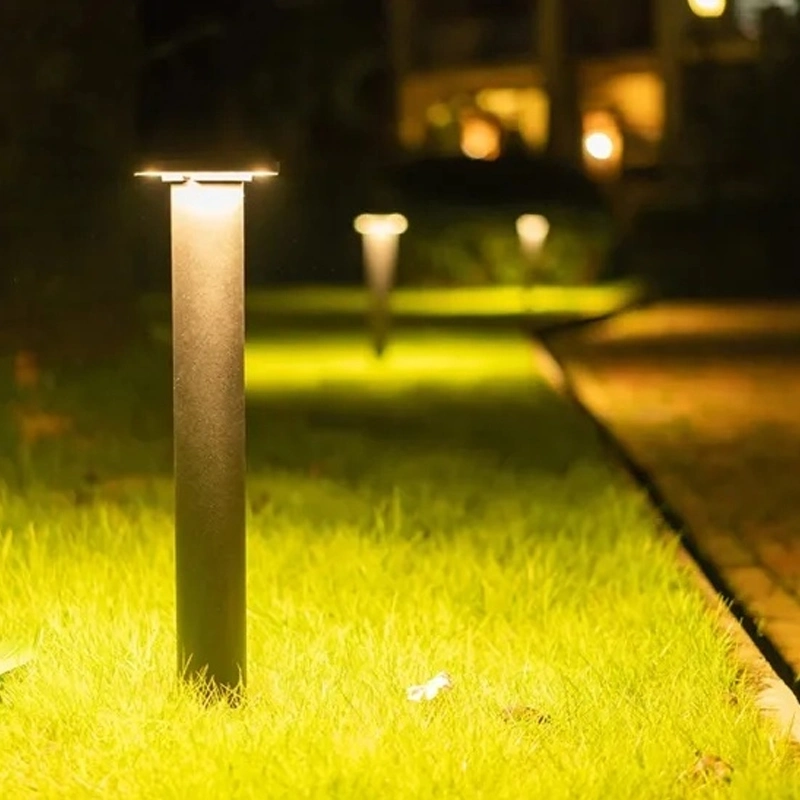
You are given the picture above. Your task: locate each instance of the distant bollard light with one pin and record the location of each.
(532, 230)
(380, 234)
(207, 231)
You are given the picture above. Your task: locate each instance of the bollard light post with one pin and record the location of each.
(207, 233)
(532, 230)
(380, 235)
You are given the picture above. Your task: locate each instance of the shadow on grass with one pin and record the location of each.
(426, 460)
(522, 428)
(464, 423)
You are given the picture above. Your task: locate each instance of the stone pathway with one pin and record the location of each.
(706, 399)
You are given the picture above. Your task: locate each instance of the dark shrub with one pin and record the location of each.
(722, 250)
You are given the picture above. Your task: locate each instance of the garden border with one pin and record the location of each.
(775, 697)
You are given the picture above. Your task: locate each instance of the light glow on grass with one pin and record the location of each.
(295, 361)
(473, 302)
(485, 302)
(472, 526)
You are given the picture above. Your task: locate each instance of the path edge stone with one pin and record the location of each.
(774, 698)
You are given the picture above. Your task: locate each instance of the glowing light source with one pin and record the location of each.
(380, 224)
(380, 235)
(201, 199)
(707, 8)
(532, 230)
(207, 231)
(480, 138)
(599, 145)
(208, 176)
(602, 144)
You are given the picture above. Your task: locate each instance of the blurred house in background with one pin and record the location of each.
(608, 86)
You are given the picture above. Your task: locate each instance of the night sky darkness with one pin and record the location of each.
(162, 18)
(188, 94)
(180, 95)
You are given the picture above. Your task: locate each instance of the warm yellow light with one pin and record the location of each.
(480, 139)
(217, 200)
(503, 103)
(380, 241)
(208, 176)
(598, 145)
(534, 117)
(638, 98)
(532, 230)
(526, 110)
(380, 224)
(707, 8)
(602, 144)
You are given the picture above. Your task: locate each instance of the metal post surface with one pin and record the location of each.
(209, 432)
(380, 261)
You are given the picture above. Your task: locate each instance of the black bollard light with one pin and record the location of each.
(380, 235)
(207, 232)
(532, 230)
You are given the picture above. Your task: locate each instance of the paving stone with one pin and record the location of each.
(703, 398)
(781, 557)
(724, 549)
(776, 604)
(785, 635)
(749, 583)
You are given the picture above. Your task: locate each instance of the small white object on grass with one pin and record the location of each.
(430, 689)
(13, 655)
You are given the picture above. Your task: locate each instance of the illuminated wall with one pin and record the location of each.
(439, 97)
(431, 102)
(636, 99)
(436, 106)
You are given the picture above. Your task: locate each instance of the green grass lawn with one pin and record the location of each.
(440, 510)
(488, 304)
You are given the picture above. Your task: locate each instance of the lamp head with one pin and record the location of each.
(208, 169)
(533, 229)
(208, 176)
(380, 224)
